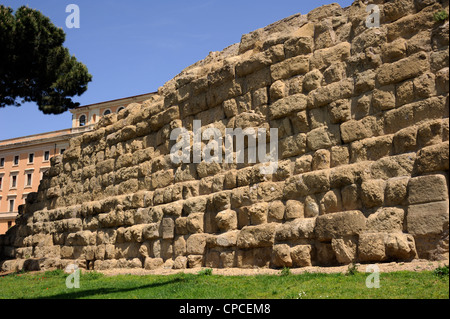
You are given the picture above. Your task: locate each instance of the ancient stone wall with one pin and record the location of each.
(363, 132)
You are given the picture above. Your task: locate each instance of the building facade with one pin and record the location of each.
(24, 160)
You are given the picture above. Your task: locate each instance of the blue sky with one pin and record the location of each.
(133, 47)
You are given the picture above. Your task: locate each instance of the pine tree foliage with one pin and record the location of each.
(34, 64)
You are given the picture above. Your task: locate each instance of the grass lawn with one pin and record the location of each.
(396, 285)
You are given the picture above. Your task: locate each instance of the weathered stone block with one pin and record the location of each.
(290, 67)
(288, 105)
(303, 164)
(340, 224)
(153, 263)
(257, 236)
(384, 98)
(311, 207)
(258, 213)
(167, 228)
(294, 209)
(180, 262)
(433, 158)
(195, 223)
(404, 69)
(195, 261)
(340, 111)
(339, 156)
(427, 219)
(277, 90)
(332, 92)
(301, 255)
(318, 138)
(312, 80)
(276, 211)
(396, 190)
(281, 256)
(371, 247)
(300, 228)
(386, 219)
(227, 220)
(324, 57)
(330, 202)
(316, 182)
(428, 188)
(345, 249)
(321, 160)
(293, 145)
(372, 193)
(400, 247)
(196, 243)
(151, 231)
(356, 130)
(300, 45)
(405, 140)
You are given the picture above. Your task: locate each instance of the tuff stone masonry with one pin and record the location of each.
(363, 124)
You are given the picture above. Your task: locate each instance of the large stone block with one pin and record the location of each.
(153, 263)
(404, 69)
(300, 228)
(167, 228)
(324, 57)
(290, 67)
(332, 92)
(281, 256)
(340, 224)
(371, 247)
(196, 244)
(386, 219)
(257, 236)
(345, 249)
(301, 255)
(428, 188)
(396, 190)
(288, 105)
(427, 219)
(354, 130)
(400, 247)
(227, 220)
(433, 158)
(372, 192)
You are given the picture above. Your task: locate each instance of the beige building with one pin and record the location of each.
(24, 160)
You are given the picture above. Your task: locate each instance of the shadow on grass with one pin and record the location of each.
(79, 293)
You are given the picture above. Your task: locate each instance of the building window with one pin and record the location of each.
(31, 158)
(1, 182)
(11, 205)
(107, 112)
(2, 162)
(16, 160)
(13, 181)
(120, 109)
(46, 156)
(29, 179)
(82, 120)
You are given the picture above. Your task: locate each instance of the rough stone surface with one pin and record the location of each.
(362, 175)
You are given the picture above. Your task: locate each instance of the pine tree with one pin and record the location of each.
(34, 65)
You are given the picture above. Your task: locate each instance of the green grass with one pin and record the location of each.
(398, 285)
(440, 16)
